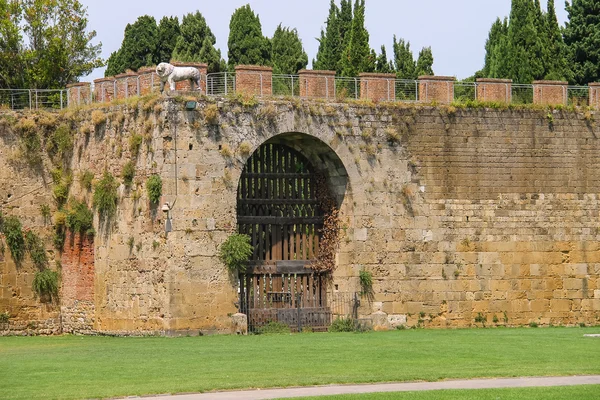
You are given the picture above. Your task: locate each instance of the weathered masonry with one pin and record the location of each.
(462, 216)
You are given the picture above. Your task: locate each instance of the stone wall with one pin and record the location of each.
(462, 216)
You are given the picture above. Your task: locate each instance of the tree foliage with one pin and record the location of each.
(582, 36)
(287, 54)
(526, 47)
(168, 35)
(424, 64)
(358, 56)
(382, 64)
(45, 43)
(247, 45)
(197, 43)
(138, 48)
(404, 60)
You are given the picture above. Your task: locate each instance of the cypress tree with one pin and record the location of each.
(582, 37)
(557, 67)
(425, 62)
(327, 55)
(345, 19)
(168, 34)
(287, 54)
(138, 48)
(403, 58)
(357, 56)
(525, 63)
(197, 43)
(496, 51)
(247, 45)
(382, 65)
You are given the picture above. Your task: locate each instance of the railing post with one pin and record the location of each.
(29, 98)
(355, 89)
(225, 83)
(61, 98)
(292, 85)
(298, 300)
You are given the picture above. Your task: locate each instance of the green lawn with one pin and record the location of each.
(82, 367)
(591, 392)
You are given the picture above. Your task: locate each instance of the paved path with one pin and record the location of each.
(386, 387)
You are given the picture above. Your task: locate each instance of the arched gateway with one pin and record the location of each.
(280, 207)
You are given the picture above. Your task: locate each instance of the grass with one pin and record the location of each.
(590, 392)
(91, 367)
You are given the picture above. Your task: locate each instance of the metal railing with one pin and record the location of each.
(33, 99)
(314, 86)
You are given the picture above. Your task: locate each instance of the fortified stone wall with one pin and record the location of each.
(463, 216)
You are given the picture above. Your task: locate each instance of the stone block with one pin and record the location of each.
(239, 324)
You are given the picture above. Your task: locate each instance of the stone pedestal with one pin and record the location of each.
(254, 80)
(550, 92)
(378, 87)
(494, 90)
(315, 83)
(239, 324)
(185, 85)
(439, 89)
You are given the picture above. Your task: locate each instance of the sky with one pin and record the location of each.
(456, 30)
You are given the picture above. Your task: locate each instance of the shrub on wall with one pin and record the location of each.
(105, 196)
(128, 173)
(13, 231)
(154, 188)
(45, 283)
(366, 282)
(37, 250)
(80, 218)
(85, 180)
(235, 251)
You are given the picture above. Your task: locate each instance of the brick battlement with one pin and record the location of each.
(260, 81)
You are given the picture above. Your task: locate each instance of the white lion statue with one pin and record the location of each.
(170, 73)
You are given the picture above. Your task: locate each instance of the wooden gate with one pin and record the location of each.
(277, 207)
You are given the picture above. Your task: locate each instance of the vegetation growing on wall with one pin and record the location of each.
(46, 283)
(13, 232)
(80, 218)
(37, 251)
(128, 173)
(154, 188)
(105, 196)
(234, 252)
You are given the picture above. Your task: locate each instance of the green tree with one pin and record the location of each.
(496, 51)
(329, 42)
(197, 43)
(287, 54)
(357, 56)
(138, 48)
(403, 59)
(525, 63)
(425, 62)
(345, 21)
(168, 35)
(557, 66)
(247, 45)
(582, 37)
(11, 46)
(48, 41)
(382, 64)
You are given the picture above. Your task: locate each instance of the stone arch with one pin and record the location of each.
(322, 157)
